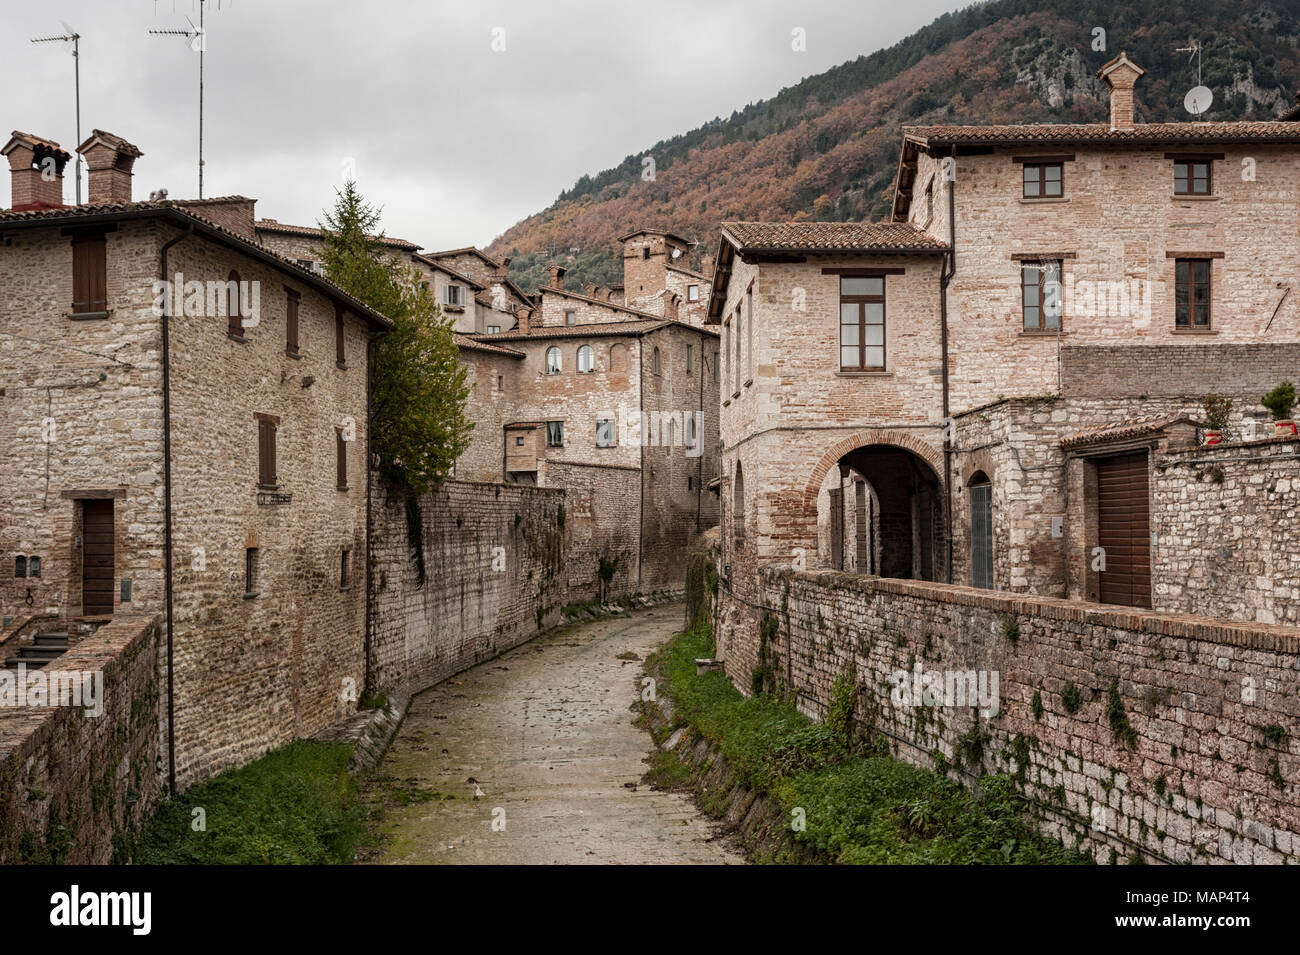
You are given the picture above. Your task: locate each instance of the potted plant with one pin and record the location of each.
(1217, 410)
(1279, 402)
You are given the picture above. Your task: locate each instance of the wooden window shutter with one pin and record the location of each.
(342, 457)
(291, 323)
(234, 307)
(340, 357)
(89, 273)
(267, 475)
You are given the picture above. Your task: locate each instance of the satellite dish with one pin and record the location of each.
(1198, 100)
(677, 253)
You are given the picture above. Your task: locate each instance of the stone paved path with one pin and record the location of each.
(543, 735)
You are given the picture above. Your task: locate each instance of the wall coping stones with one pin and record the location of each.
(1253, 636)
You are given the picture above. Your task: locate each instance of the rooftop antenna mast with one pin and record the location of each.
(1199, 98)
(69, 35)
(198, 40)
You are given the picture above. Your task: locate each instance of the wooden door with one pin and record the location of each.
(97, 570)
(981, 535)
(1124, 530)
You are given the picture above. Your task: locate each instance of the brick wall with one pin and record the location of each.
(467, 611)
(1210, 774)
(602, 524)
(70, 783)
(1245, 371)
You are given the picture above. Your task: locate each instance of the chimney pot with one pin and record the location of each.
(1121, 75)
(557, 276)
(109, 160)
(36, 172)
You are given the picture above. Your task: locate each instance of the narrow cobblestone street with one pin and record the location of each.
(541, 740)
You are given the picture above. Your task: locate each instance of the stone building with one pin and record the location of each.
(616, 404)
(977, 391)
(185, 434)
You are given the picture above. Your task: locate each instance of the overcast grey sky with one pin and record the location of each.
(457, 141)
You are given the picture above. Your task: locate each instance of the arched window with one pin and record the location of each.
(553, 360)
(618, 359)
(586, 360)
(655, 360)
(981, 530)
(738, 508)
(234, 311)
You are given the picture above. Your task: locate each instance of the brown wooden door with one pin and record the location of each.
(1124, 530)
(97, 572)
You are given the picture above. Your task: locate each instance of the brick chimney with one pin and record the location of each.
(671, 301)
(706, 265)
(503, 271)
(1121, 74)
(109, 160)
(524, 316)
(557, 276)
(36, 172)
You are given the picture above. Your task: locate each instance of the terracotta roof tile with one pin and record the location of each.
(880, 237)
(590, 330)
(284, 228)
(464, 341)
(1141, 134)
(1132, 428)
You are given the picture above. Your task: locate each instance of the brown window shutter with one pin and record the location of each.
(291, 323)
(342, 448)
(89, 274)
(339, 356)
(263, 453)
(234, 308)
(272, 428)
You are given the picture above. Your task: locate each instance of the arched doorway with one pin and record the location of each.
(883, 510)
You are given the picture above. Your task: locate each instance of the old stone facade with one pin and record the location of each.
(258, 524)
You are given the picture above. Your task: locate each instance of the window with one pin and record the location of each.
(654, 361)
(749, 330)
(20, 566)
(738, 509)
(451, 295)
(604, 432)
(340, 352)
(1192, 293)
(570, 317)
(519, 442)
(345, 569)
(688, 357)
(690, 483)
(862, 323)
(33, 566)
(690, 429)
(726, 348)
(251, 569)
(267, 426)
(735, 369)
(715, 368)
(1192, 177)
(1043, 180)
(692, 293)
(291, 323)
(501, 383)
(89, 273)
(1040, 288)
(341, 459)
(553, 360)
(234, 307)
(586, 360)
(645, 251)
(555, 434)
(493, 329)
(307, 264)
(929, 201)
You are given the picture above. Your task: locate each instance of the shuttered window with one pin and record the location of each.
(291, 322)
(234, 307)
(340, 356)
(341, 468)
(89, 273)
(267, 426)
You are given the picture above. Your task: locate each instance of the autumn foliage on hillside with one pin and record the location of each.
(827, 148)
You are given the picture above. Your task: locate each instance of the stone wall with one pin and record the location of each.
(494, 576)
(1227, 527)
(602, 528)
(1173, 738)
(71, 782)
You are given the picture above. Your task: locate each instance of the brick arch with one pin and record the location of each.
(900, 439)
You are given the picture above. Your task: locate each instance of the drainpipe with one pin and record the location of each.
(699, 438)
(167, 504)
(370, 364)
(947, 271)
(640, 537)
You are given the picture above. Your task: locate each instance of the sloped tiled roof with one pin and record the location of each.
(284, 228)
(1141, 134)
(473, 344)
(1132, 428)
(37, 142)
(879, 237)
(591, 330)
(175, 210)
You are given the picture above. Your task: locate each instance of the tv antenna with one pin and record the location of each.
(197, 38)
(69, 35)
(1199, 98)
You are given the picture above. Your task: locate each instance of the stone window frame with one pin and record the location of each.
(862, 300)
(1190, 161)
(1041, 266)
(1041, 180)
(591, 360)
(655, 366)
(252, 572)
(692, 293)
(555, 434)
(553, 351)
(1179, 258)
(570, 316)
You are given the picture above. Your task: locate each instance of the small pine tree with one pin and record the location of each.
(418, 426)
